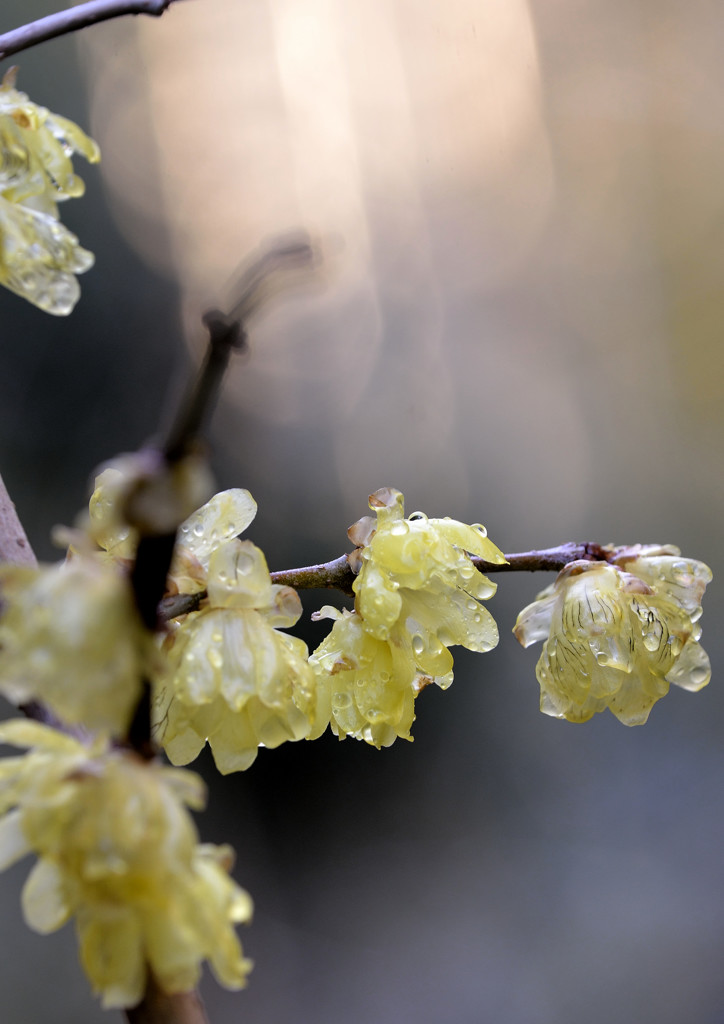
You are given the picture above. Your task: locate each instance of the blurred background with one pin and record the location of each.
(519, 323)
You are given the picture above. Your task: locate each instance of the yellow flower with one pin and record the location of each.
(38, 255)
(233, 678)
(617, 635)
(221, 519)
(70, 636)
(39, 258)
(132, 478)
(118, 851)
(416, 593)
(367, 686)
(417, 572)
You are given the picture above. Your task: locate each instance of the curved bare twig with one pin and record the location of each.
(81, 16)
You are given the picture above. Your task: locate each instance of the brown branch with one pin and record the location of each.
(159, 1008)
(81, 16)
(338, 574)
(14, 545)
(334, 575)
(547, 559)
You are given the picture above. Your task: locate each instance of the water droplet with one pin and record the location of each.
(374, 715)
(675, 644)
(198, 530)
(399, 529)
(651, 641)
(341, 701)
(602, 657)
(418, 644)
(699, 675)
(244, 564)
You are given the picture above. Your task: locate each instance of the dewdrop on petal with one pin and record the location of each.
(232, 677)
(118, 851)
(618, 637)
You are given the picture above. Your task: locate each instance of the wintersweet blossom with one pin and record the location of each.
(367, 686)
(224, 516)
(617, 634)
(417, 593)
(39, 257)
(118, 851)
(221, 519)
(232, 677)
(71, 637)
(417, 574)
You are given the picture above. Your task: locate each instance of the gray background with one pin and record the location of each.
(535, 346)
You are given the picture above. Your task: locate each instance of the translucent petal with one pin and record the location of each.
(225, 516)
(39, 258)
(44, 906)
(692, 671)
(22, 732)
(13, 843)
(238, 576)
(534, 622)
(378, 601)
(469, 539)
(615, 639)
(112, 954)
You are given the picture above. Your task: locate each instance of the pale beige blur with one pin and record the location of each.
(515, 202)
(370, 124)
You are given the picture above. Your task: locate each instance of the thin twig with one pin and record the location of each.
(159, 1008)
(225, 335)
(81, 16)
(14, 545)
(547, 559)
(338, 574)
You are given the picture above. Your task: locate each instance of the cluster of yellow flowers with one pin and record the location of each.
(417, 593)
(229, 676)
(117, 849)
(618, 633)
(39, 256)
